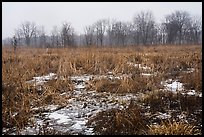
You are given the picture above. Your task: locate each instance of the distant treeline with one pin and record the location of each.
(177, 28)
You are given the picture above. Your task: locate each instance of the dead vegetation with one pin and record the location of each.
(173, 128)
(129, 121)
(163, 62)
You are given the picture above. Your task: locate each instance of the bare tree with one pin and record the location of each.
(42, 36)
(154, 34)
(28, 30)
(100, 27)
(135, 34)
(55, 37)
(89, 35)
(175, 24)
(110, 32)
(120, 32)
(162, 36)
(196, 30)
(145, 25)
(14, 43)
(18, 36)
(67, 34)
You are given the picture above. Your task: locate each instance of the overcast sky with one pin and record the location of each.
(80, 14)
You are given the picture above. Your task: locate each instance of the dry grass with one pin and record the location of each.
(134, 84)
(168, 61)
(158, 100)
(190, 103)
(18, 97)
(196, 83)
(173, 128)
(163, 101)
(129, 121)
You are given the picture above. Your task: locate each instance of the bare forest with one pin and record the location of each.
(177, 28)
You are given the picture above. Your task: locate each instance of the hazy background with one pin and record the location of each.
(80, 14)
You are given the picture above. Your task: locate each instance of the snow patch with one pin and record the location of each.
(61, 118)
(81, 78)
(147, 74)
(192, 93)
(42, 79)
(78, 125)
(83, 105)
(81, 86)
(140, 66)
(163, 116)
(190, 70)
(174, 86)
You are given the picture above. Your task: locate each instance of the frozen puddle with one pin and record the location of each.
(83, 105)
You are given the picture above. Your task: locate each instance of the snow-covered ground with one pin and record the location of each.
(81, 106)
(175, 86)
(40, 80)
(84, 103)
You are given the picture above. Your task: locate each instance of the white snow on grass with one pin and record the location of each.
(85, 104)
(42, 79)
(48, 108)
(45, 78)
(163, 115)
(78, 124)
(80, 86)
(81, 106)
(190, 70)
(79, 81)
(192, 93)
(200, 95)
(173, 86)
(52, 107)
(61, 118)
(147, 74)
(81, 78)
(140, 66)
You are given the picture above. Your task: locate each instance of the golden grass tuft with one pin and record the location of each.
(173, 128)
(129, 121)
